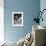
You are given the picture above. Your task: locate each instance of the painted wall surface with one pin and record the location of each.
(43, 6)
(28, 7)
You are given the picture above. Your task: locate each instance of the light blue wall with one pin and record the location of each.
(29, 7)
(43, 6)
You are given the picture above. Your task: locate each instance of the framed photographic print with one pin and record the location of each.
(17, 18)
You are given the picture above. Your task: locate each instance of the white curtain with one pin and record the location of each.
(1, 20)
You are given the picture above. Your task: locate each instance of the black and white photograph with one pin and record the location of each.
(17, 18)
